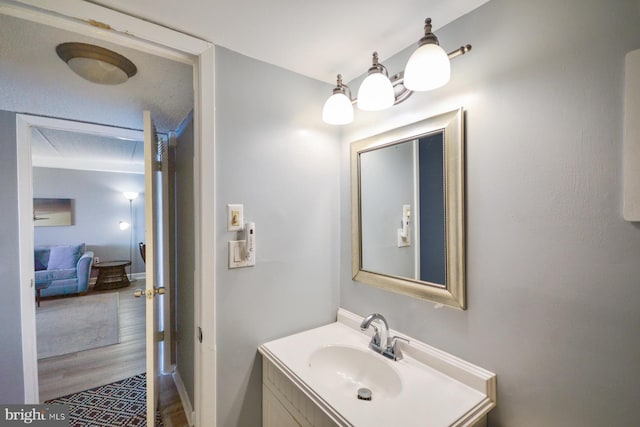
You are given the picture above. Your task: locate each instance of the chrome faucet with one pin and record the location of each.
(383, 343)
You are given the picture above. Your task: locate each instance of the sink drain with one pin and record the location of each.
(364, 394)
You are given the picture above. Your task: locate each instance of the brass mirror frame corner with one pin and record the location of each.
(453, 294)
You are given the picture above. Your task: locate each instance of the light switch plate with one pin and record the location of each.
(235, 217)
(403, 242)
(237, 255)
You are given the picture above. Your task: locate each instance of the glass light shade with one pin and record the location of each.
(124, 225)
(337, 110)
(130, 195)
(428, 68)
(97, 71)
(375, 93)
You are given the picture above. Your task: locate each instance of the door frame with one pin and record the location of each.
(80, 17)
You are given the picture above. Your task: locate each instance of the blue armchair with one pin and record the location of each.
(62, 270)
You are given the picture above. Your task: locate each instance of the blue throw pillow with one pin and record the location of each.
(41, 258)
(38, 265)
(64, 256)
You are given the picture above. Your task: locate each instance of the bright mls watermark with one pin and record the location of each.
(34, 415)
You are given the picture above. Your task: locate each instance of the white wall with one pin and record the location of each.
(386, 185)
(553, 271)
(275, 156)
(185, 260)
(98, 207)
(12, 381)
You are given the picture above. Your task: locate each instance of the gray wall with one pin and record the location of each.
(275, 156)
(553, 270)
(11, 379)
(98, 208)
(185, 261)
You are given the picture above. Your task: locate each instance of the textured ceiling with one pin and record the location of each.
(318, 39)
(34, 80)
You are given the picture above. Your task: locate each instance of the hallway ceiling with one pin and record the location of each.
(318, 39)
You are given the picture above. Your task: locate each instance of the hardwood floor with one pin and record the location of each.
(74, 372)
(170, 404)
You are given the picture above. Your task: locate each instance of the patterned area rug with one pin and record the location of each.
(122, 403)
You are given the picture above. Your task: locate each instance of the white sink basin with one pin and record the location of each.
(319, 371)
(345, 369)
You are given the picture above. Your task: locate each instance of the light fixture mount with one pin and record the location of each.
(429, 37)
(376, 66)
(96, 64)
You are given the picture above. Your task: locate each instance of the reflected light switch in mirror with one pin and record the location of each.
(404, 233)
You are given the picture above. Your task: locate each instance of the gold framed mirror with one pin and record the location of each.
(407, 210)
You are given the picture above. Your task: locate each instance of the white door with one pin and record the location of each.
(153, 154)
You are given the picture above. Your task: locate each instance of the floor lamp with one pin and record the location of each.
(131, 196)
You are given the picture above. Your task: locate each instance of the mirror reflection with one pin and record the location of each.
(407, 209)
(402, 209)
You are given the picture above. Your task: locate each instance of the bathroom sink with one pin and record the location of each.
(345, 369)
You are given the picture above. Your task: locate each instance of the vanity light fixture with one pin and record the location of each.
(376, 91)
(428, 68)
(96, 64)
(338, 109)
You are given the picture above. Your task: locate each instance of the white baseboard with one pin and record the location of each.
(138, 276)
(134, 276)
(184, 397)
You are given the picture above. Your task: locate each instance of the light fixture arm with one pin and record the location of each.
(429, 37)
(342, 88)
(459, 51)
(376, 66)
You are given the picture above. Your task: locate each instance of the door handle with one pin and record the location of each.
(149, 293)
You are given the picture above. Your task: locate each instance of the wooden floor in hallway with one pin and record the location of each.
(71, 373)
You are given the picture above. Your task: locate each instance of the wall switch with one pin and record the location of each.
(402, 241)
(235, 217)
(96, 259)
(237, 255)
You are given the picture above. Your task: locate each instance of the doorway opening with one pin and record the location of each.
(167, 43)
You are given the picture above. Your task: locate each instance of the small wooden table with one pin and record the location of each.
(39, 287)
(111, 275)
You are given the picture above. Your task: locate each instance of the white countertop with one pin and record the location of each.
(427, 395)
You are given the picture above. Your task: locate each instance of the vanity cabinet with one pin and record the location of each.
(285, 405)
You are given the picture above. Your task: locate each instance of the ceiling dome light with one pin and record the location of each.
(338, 109)
(376, 91)
(429, 66)
(96, 64)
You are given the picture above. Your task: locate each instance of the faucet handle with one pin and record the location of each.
(395, 338)
(393, 350)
